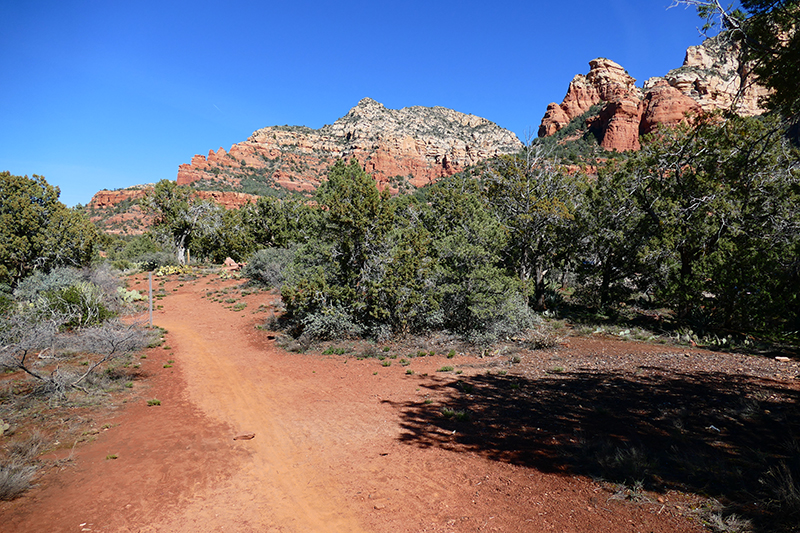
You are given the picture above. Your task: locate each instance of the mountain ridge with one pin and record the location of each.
(402, 148)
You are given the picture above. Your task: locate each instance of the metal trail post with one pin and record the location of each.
(151, 298)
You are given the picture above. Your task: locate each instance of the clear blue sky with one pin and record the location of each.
(110, 94)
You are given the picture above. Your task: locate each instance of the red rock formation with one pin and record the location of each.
(106, 199)
(554, 119)
(711, 78)
(108, 211)
(666, 105)
(618, 124)
(407, 147)
(605, 82)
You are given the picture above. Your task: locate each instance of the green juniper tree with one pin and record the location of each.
(535, 200)
(37, 231)
(178, 216)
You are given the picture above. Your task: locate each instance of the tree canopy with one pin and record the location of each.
(37, 231)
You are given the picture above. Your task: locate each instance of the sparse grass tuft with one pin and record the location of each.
(445, 369)
(458, 415)
(154, 401)
(15, 479)
(335, 350)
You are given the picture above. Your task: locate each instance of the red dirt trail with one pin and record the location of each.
(327, 455)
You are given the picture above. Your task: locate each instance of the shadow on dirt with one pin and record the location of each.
(733, 438)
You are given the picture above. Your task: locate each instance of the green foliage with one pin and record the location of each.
(705, 219)
(272, 222)
(611, 227)
(39, 283)
(266, 266)
(180, 218)
(333, 281)
(37, 231)
(469, 282)
(81, 304)
(535, 201)
(380, 266)
(138, 247)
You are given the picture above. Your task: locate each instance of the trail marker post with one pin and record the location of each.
(150, 277)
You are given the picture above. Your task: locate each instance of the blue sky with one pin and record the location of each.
(111, 94)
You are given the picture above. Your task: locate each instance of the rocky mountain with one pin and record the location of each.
(401, 148)
(712, 77)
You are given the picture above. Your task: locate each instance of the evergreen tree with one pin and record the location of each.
(37, 231)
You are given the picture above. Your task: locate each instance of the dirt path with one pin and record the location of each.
(332, 449)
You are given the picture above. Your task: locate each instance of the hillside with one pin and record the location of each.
(402, 149)
(118, 212)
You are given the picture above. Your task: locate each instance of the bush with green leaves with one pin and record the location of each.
(78, 297)
(154, 260)
(333, 322)
(82, 305)
(385, 265)
(40, 283)
(37, 231)
(266, 266)
(704, 218)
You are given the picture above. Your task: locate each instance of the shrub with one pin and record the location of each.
(266, 266)
(138, 247)
(39, 283)
(333, 322)
(513, 316)
(154, 260)
(81, 304)
(541, 336)
(15, 479)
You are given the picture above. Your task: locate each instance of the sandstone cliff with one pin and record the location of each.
(711, 78)
(408, 147)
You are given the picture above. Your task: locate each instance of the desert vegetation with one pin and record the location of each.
(63, 340)
(694, 237)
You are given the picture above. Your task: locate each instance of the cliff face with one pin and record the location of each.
(711, 78)
(411, 146)
(713, 74)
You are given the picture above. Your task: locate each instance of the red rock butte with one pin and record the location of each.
(712, 77)
(400, 148)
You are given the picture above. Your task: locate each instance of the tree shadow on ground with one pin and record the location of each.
(734, 438)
